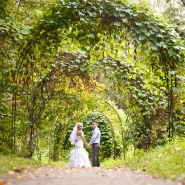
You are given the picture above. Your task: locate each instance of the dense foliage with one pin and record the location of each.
(67, 59)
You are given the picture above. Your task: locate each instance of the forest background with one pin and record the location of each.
(118, 62)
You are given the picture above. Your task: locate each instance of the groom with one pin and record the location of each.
(95, 142)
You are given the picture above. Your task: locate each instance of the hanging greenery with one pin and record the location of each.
(74, 41)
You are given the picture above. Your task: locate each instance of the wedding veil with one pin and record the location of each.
(72, 137)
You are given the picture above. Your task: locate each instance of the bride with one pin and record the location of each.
(79, 156)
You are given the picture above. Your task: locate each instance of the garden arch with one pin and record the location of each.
(99, 27)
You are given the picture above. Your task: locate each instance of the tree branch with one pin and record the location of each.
(183, 2)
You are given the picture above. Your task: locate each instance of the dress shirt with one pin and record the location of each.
(95, 136)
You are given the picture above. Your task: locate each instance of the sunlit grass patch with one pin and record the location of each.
(165, 161)
(112, 162)
(56, 163)
(11, 162)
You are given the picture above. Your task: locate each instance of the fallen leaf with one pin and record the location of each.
(11, 172)
(19, 176)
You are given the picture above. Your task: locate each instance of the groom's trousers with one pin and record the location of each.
(95, 155)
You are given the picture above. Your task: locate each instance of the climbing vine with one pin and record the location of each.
(76, 40)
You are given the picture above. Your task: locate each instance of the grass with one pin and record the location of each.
(57, 163)
(12, 163)
(165, 161)
(15, 163)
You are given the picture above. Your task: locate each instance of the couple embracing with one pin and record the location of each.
(79, 156)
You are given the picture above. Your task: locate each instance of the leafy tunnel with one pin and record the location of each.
(105, 48)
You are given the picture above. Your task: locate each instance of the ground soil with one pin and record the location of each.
(49, 175)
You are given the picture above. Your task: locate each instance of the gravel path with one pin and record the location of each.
(48, 175)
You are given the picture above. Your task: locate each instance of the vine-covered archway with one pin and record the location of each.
(104, 36)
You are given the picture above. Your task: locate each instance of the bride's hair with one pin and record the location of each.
(79, 123)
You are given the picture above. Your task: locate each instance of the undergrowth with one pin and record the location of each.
(164, 161)
(15, 163)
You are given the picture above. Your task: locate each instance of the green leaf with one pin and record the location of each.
(117, 23)
(91, 35)
(125, 20)
(138, 23)
(175, 89)
(154, 48)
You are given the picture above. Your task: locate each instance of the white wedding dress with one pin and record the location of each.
(79, 156)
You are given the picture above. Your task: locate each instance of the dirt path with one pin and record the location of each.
(47, 175)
